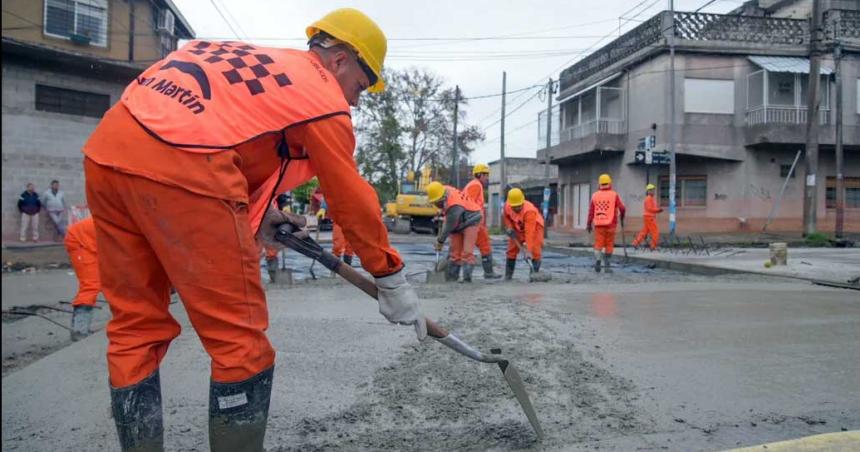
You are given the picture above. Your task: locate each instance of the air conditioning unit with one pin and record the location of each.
(165, 21)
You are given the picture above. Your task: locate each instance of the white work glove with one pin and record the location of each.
(399, 303)
(274, 218)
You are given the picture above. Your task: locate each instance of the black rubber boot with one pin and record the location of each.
(238, 413)
(606, 267)
(597, 258)
(137, 414)
(536, 265)
(82, 316)
(347, 259)
(272, 267)
(453, 273)
(487, 263)
(467, 272)
(510, 264)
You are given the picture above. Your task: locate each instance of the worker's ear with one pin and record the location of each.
(340, 60)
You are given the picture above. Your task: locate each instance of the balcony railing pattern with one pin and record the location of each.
(595, 126)
(781, 115)
(691, 27)
(843, 25)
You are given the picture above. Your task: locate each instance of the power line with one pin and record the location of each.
(513, 110)
(238, 25)
(224, 18)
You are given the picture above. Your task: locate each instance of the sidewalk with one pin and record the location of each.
(837, 265)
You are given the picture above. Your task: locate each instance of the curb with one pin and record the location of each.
(838, 441)
(685, 267)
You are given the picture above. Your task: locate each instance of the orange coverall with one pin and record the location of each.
(528, 225)
(339, 243)
(167, 215)
(474, 191)
(649, 214)
(604, 234)
(80, 243)
(463, 227)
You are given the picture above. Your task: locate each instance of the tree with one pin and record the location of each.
(379, 153)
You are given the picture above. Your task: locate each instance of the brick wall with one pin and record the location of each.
(40, 146)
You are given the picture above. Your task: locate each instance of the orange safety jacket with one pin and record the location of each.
(457, 198)
(650, 208)
(474, 191)
(518, 220)
(603, 206)
(211, 96)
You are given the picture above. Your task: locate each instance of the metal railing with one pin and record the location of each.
(782, 115)
(595, 126)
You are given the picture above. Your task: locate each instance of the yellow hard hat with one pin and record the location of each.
(359, 31)
(516, 197)
(480, 168)
(604, 179)
(435, 191)
(650, 187)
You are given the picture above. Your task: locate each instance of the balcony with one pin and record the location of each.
(589, 120)
(782, 115)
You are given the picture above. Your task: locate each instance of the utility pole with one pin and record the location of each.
(130, 30)
(503, 193)
(673, 166)
(546, 188)
(840, 180)
(810, 197)
(455, 166)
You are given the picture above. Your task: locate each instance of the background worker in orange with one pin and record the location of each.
(339, 245)
(474, 191)
(462, 217)
(272, 253)
(524, 226)
(81, 245)
(649, 218)
(602, 218)
(180, 178)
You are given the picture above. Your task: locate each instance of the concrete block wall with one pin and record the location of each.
(39, 146)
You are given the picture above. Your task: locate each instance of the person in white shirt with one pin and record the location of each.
(54, 201)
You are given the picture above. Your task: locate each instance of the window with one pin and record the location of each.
(83, 21)
(784, 169)
(71, 102)
(690, 191)
(709, 96)
(852, 192)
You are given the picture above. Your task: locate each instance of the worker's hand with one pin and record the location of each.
(622, 222)
(399, 304)
(321, 213)
(438, 246)
(275, 218)
(588, 229)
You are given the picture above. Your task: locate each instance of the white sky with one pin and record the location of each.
(565, 29)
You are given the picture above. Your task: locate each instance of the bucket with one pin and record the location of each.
(779, 253)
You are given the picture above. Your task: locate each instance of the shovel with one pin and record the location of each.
(437, 275)
(308, 247)
(624, 244)
(534, 275)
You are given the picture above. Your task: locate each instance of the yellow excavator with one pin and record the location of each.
(411, 211)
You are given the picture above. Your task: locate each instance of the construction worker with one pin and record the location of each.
(81, 245)
(524, 226)
(649, 218)
(474, 191)
(462, 217)
(602, 218)
(272, 253)
(180, 175)
(339, 245)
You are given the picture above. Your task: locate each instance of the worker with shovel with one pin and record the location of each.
(474, 191)
(81, 245)
(649, 219)
(524, 226)
(180, 177)
(462, 217)
(604, 213)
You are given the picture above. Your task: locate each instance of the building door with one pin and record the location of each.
(581, 200)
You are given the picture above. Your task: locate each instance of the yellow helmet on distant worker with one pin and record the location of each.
(650, 187)
(480, 168)
(516, 197)
(361, 33)
(604, 179)
(435, 191)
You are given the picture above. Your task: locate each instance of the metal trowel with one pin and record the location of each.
(310, 248)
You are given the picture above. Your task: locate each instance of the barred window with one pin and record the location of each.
(71, 102)
(691, 191)
(83, 21)
(852, 192)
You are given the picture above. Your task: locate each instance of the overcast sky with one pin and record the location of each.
(548, 36)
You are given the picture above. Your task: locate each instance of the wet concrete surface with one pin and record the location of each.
(641, 359)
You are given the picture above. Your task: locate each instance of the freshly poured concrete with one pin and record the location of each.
(638, 359)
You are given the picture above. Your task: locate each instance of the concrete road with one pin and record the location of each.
(707, 364)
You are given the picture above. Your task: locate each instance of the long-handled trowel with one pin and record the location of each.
(310, 248)
(535, 275)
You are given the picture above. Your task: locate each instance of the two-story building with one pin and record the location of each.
(65, 62)
(740, 111)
